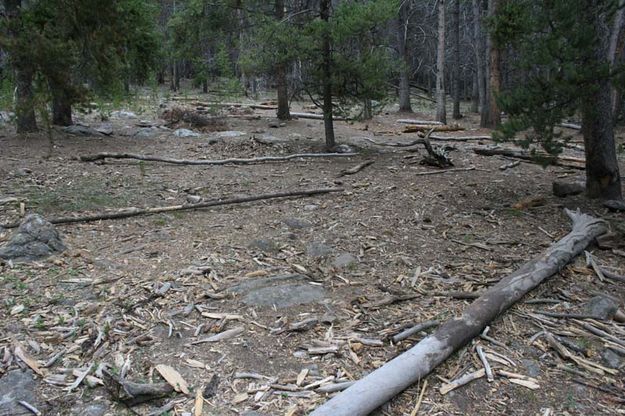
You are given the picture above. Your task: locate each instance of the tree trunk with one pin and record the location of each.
(381, 385)
(479, 55)
(441, 111)
(61, 106)
(327, 76)
(492, 116)
(455, 80)
(25, 101)
(614, 51)
(367, 111)
(602, 172)
(24, 96)
(404, 66)
(280, 68)
(475, 103)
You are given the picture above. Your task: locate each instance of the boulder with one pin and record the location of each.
(186, 133)
(35, 239)
(563, 189)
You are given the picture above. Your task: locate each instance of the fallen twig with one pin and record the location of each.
(201, 162)
(134, 212)
(467, 378)
(356, 168)
(413, 330)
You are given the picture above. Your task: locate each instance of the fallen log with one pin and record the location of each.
(460, 138)
(413, 365)
(200, 162)
(537, 157)
(571, 126)
(135, 212)
(419, 122)
(433, 127)
(436, 157)
(314, 116)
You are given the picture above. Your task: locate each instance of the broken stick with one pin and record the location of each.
(201, 162)
(413, 365)
(135, 212)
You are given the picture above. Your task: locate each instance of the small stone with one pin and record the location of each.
(94, 409)
(265, 245)
(194, 199)
(313, 370)
(145, 133)
(229, 133)
(602, 307)
(185, 133)
(297, 223)
(531, 367)
(21, 172)
(343, 148)
(310, 207)
(344, 260)
(563, 189)
(274, 124)
(611, 359)
(318, 249)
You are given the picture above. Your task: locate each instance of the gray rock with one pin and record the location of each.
(274, 124)
(563, 189)
(615, 205)
(194, 199)
(344, 260)
(297, 223)
(603, 307)
(265, 245)
(186, 133)
(105, 129)
(229, 133)
(145, 132)
(343, 148)
(123, 114)
(6, 117)
(252, 413)
(279, 291)
(15, 386)
(79, 130)
(35, 239)
(318, 249)
(531, 367)
(311, 207)
(610, 358)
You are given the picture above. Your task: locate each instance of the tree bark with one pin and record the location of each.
(280, 68)
(404, 67)
(492, 116)
(475, 99)
(61, 106)
(602, 171)
(327, 76)
(614, 51)
(441, 111)
(383, 384)
(479, 55)
(455, 80)
(22, 69)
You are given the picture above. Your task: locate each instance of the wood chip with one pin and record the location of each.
(222, 336)
(173, 378)
(27, 359)
(199, 403)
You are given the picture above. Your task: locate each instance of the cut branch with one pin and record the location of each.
(419, 122)
(313, 116)
(413, 365)
(436, 157)
(135, 212)
(233, 161)
(538, 157)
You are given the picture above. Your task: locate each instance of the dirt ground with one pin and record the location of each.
(391, 232)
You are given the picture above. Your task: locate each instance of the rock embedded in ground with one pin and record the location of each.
(79, 130)
(17, 386)
(264, 245)
(229, 133)
(615, 205)
(611, 359)
(344, 260)
(318, 249)
(563, 189)
(531, 367)
(279, 291)
(603, 307)
(186, 133)
(297, 223)
(123, 114)
(35, 239)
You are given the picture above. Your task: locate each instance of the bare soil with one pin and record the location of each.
(412, 234)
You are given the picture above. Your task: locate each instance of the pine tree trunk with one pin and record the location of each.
(24, 101)
(367, 111)
(615, 51)
(61, 105)
(280, 68)
(441, 111)
(492, 116)
(602, 172)
(327, 77)
(479, 55)
(455, 81)
(404, 67)
(475, 103)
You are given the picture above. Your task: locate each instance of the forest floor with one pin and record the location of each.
(391, 235)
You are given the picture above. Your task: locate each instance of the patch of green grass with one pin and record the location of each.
(84, 194)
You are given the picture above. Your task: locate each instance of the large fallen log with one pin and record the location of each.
(135, 212)
(433, 127)
(233, 161)
(387, 381)
(419, 122)
(536, 157)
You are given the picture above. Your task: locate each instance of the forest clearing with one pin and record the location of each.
(323, 208)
